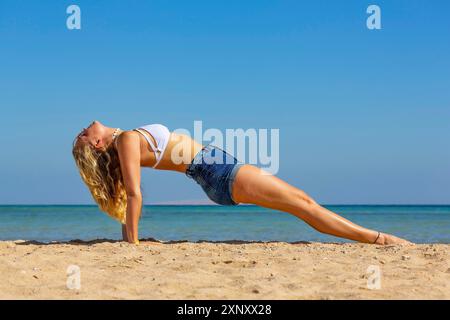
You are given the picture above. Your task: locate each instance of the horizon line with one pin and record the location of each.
(216, 205)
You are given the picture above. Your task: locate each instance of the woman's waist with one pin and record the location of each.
(179, 153)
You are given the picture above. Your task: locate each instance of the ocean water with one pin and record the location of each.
(420, 224)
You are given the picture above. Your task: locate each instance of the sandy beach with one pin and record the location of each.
(223, 270)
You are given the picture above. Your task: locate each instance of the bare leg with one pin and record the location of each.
(253, 186)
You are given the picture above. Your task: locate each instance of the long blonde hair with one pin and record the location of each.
(100, 171)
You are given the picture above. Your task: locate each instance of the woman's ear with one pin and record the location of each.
(99, 145)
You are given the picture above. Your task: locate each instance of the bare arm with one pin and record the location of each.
(128, 146)
(124, 232)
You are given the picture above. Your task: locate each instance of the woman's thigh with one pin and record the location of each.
(253, 185)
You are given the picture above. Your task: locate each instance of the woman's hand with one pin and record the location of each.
(134, 206)
(125, 236)
(124, 232)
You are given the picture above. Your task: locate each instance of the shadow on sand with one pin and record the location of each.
(147, 240)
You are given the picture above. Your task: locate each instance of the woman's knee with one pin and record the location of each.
(302, 199)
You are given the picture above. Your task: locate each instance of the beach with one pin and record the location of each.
(109, 269)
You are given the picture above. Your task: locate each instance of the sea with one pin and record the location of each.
(56, 223)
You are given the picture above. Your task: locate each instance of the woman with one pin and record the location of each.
(109, 161)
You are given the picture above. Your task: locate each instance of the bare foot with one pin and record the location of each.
(387, 239)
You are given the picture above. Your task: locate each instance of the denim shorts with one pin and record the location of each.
(215, 170)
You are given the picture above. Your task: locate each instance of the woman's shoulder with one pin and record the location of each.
(126, 134)
(126, 138)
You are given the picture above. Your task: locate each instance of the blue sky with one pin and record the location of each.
(363, 115)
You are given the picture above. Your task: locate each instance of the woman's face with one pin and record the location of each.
(92, 135)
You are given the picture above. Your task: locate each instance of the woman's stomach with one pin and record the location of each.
(179, 153)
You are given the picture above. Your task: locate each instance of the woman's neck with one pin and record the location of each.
(109, 135)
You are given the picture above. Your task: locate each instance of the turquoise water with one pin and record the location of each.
(421, 224)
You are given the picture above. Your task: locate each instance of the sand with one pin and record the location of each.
(224, 270)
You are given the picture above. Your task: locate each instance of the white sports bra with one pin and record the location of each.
(161, 135)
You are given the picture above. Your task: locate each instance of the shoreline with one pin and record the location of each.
(233, 269)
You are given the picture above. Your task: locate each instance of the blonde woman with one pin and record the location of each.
(109, 161)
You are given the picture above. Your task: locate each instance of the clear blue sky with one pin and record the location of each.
(364, 116)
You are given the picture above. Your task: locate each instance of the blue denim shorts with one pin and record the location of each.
(215, 170)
